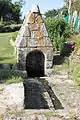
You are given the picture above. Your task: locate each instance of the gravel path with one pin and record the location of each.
(59, 86)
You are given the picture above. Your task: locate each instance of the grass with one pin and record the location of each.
(6, 50)
(11, 76)
(14, 80)
(77, 75)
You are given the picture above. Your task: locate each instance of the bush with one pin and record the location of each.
(9, 22)
(11, 76)
(59, 31)
(9, 28)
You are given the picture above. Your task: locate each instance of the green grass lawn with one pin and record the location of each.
(6, 50)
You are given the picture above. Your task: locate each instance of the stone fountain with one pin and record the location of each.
(33, 45)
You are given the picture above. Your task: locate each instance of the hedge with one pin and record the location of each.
(9, 28)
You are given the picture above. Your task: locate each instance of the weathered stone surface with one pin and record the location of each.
(37, 35)
(32, 43)
(21, 42)
(33, 92)
(22, 53)
(48, 42)
(24, 31)
(43, 29)
(49, 55)
(38, 18)
(33, 35)
(31, 18)
(45, 49)
(34, 27)
(49, 64)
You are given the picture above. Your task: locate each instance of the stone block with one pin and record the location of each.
(41, 42)
(22, 52)
(32, 43)
(38, 18)
(34, 27)
(49, 64)
(22, 66)
(31, 18)
(37, 34)
(43, 29)
(48, 42)
(36, 43)
(24, 31)
(49, 55)
(33, 94)
(21, 42)
(45, 49)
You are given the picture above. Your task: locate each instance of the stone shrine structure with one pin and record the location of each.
(34, 47)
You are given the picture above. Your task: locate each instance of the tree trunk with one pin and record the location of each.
(1, 19)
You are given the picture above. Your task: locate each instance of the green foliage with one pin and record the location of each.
(59, 31)
(64, 11)
(57, 41)
(11, 76)
(77, 75)
(5, 6)
(75, 5)
(16, 11)
(9, 28)
(8, 74)
(14, 80)
(51, 13)
(10, 11)
(54, 12)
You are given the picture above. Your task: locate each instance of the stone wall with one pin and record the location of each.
(33, 36)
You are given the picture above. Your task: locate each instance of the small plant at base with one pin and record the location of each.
(14, 80)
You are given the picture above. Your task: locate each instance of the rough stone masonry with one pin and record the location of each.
(32, 43)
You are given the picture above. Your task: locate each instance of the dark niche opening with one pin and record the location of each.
(35, 63)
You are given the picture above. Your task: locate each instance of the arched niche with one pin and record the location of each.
(35, 63)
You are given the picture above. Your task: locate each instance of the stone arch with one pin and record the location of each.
(35, 63)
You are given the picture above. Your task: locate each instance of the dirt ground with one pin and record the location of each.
(61, 93)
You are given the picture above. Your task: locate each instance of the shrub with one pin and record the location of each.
(9, 28)
(9, 22)
(14, 80)
(11, 76)
(59, 31)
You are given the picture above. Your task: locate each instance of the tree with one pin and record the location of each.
(75, 5)
(10, 11)
(16, 10)
(51, 13)
(64, 11)
(5, 6)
